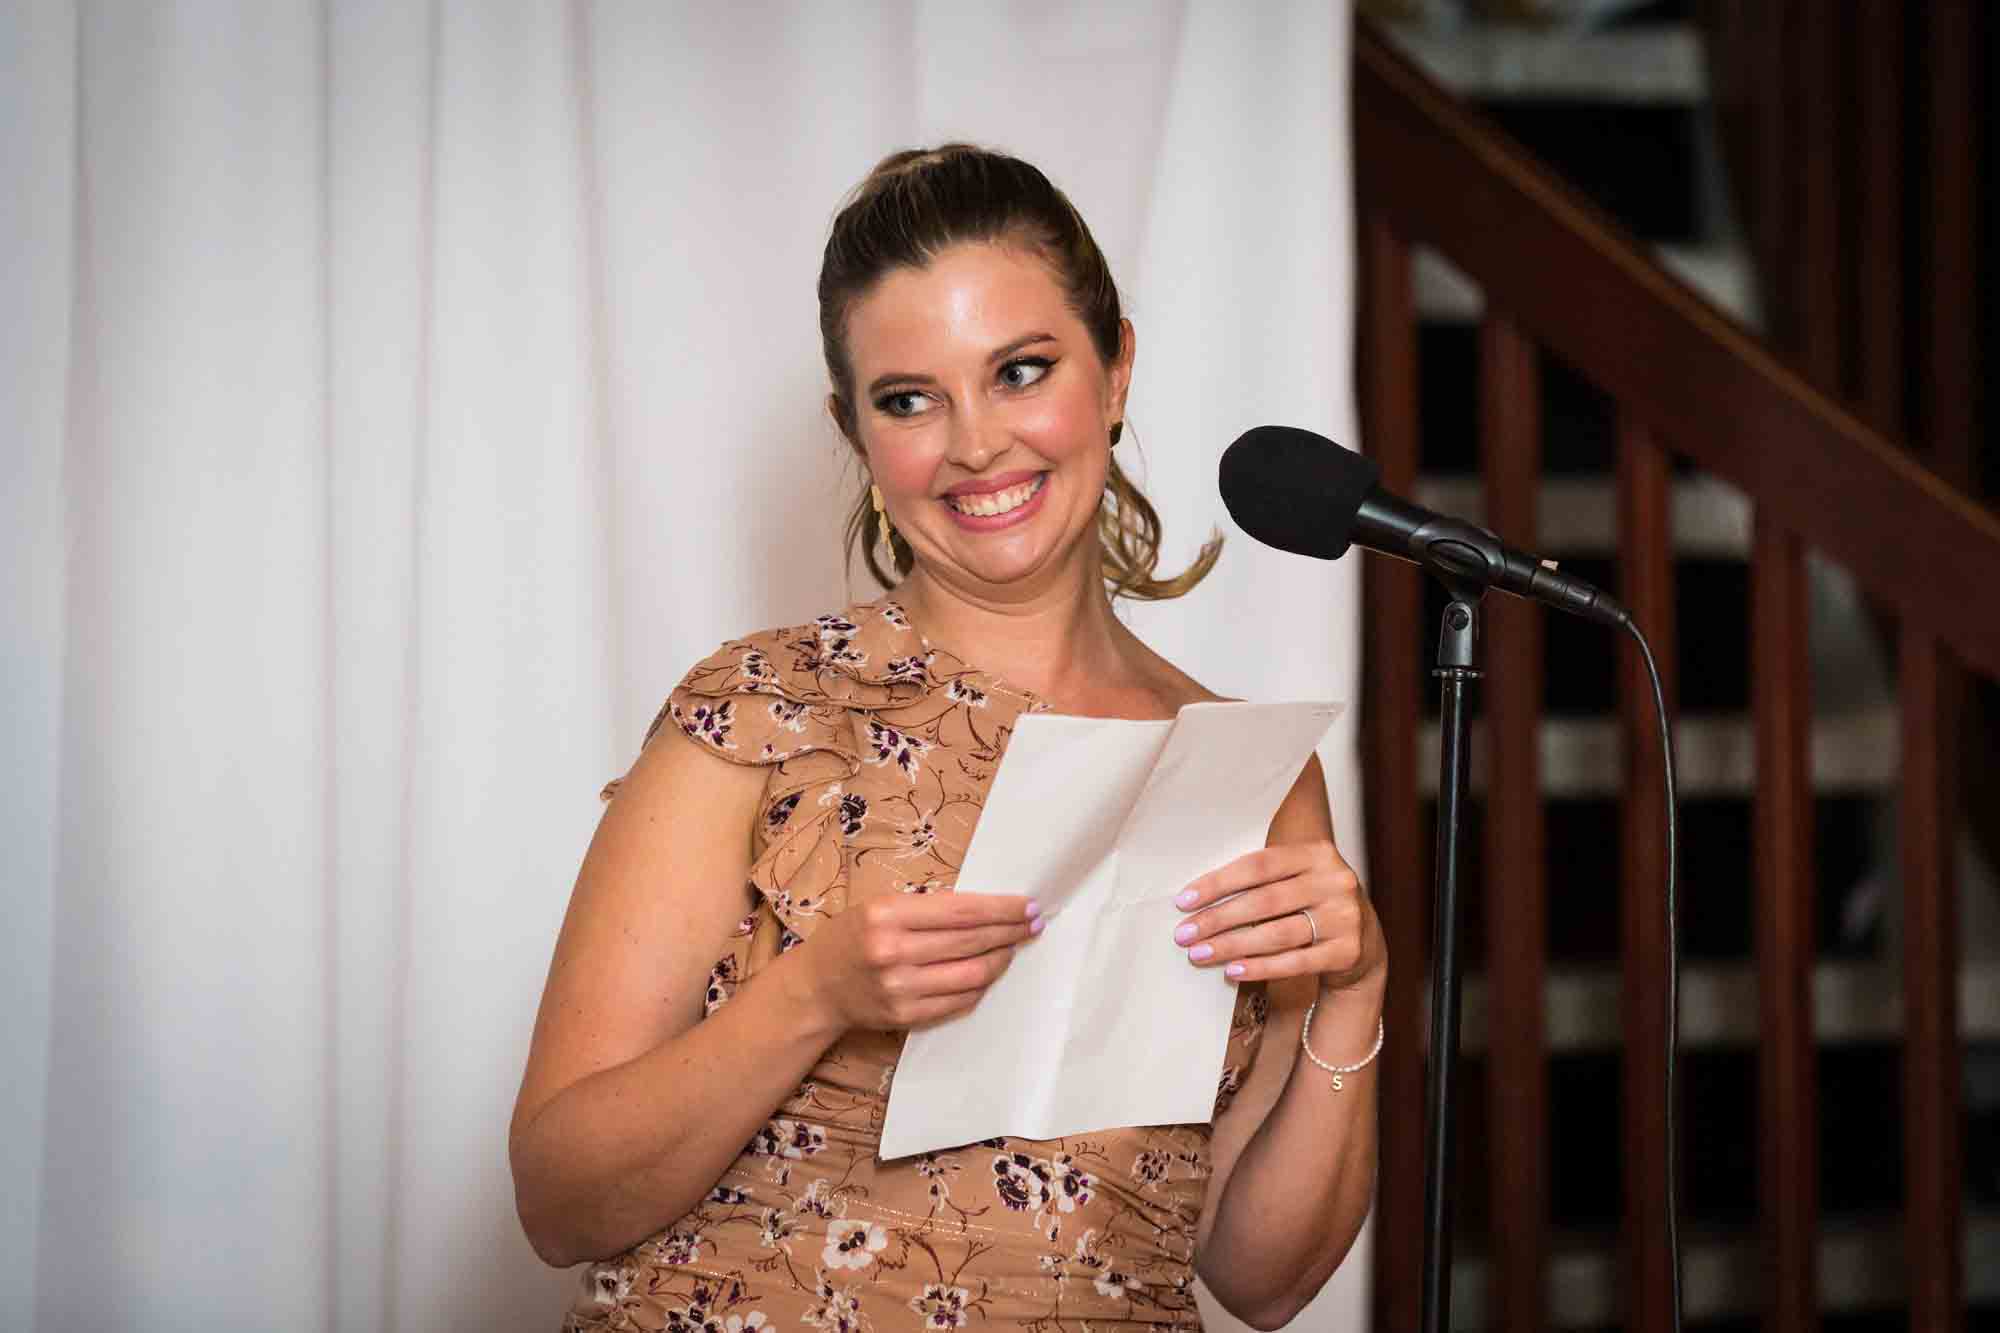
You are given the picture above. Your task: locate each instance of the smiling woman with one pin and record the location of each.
(766, 908)
(991, 238)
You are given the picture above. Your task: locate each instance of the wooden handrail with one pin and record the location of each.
(1708, 388)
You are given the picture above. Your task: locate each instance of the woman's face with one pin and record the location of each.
(984, 410)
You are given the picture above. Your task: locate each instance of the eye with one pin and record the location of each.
(1024, 370)
(902, 403)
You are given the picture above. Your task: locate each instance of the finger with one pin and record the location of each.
(1283, 934)
(958, 974)
(1247, 871)
(1252, 905)
(955, 911)
(937, 1008)
(936, 946)
(1273, 966)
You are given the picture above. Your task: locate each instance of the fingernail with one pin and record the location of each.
(1186, 899)
(1034, 909)
(1185, 932)
(1202, 952)
(1035, 926)
(1232, 969)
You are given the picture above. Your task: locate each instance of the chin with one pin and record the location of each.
(1027, 567)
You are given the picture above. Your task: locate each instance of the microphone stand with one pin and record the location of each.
(1458, 666)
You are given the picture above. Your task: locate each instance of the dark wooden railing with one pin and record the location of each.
(1559, 276)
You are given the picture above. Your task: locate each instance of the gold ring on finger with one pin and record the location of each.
(1311, 925)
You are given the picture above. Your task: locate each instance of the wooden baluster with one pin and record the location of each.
(1646, 582)
(1950, 241)
(1930, 682)
(1933, 1237)
(1788, 1114)
(1771, 37)
(1398, 859)
(1516, 864)
(1814, 245)
(1881, 265)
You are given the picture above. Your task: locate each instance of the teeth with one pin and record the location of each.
(996, 502)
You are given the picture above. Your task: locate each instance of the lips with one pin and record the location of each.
(993, 504)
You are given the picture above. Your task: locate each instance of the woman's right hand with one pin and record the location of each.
(907, 959)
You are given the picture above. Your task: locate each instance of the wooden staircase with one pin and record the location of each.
(1573, 361)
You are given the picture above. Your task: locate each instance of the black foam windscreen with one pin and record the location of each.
(1295, 490)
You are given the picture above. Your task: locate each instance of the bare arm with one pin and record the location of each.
(1294, 1160)
(632, 1105)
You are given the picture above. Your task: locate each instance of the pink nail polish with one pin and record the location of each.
(1185, 932)
(1034, 909)
(1232, 970)
(1202, 952)
(1186, 898)
(1035, 926)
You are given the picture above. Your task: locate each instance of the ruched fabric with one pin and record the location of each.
(880, 749)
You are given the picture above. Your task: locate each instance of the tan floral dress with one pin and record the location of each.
(880, 750)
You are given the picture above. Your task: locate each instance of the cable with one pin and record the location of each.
(1673, 965)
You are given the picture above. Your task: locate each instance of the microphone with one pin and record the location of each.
(1302, 493)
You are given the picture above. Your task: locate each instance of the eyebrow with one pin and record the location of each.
(1001, 353)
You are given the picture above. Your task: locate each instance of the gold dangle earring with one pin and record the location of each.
(885, 530)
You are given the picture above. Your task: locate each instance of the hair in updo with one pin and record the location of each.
(914, 206)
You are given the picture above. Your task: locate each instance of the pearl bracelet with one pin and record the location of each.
(1305, 1044)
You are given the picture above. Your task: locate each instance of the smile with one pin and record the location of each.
(992, 504)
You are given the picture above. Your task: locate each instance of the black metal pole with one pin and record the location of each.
(1457, 669)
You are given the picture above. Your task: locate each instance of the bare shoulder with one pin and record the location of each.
(1173, 687)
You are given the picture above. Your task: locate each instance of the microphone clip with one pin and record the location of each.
(1461, 631)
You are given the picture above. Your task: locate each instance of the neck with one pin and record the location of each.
(1044, 641)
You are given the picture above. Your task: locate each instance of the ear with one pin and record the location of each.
(1121, 372)
(843, 421)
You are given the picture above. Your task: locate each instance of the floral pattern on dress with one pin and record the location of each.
(879, 749)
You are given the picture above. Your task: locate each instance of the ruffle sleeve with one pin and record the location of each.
(795, 701)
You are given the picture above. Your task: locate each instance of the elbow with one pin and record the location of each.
(568, 1221)
(1263, 1311)
(554, 1244)
(548, 1225)
(1274, 1315)
(553, 1252)
(1281, 1302)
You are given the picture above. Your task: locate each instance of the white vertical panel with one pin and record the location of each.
(37, 149)
(185, 1143)
(509, 734)
(377, 85)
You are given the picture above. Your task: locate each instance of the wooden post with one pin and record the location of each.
(1645, 575)
(1516, 888)
(1398, 860)
(1933, 1228)
(1788, 1112)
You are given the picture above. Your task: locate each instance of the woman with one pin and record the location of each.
(761, 914)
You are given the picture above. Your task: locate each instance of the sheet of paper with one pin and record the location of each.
(1101, 1022)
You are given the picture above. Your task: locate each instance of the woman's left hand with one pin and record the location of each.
(1249, 918)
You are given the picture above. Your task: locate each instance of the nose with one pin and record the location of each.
(977, 437)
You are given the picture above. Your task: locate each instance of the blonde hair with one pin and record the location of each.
(912, 207)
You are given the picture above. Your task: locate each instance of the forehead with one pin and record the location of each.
(967, 301)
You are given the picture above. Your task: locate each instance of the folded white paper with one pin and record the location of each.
(1101, 1021)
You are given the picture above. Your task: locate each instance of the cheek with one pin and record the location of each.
(1063, 428)
(905, 470)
